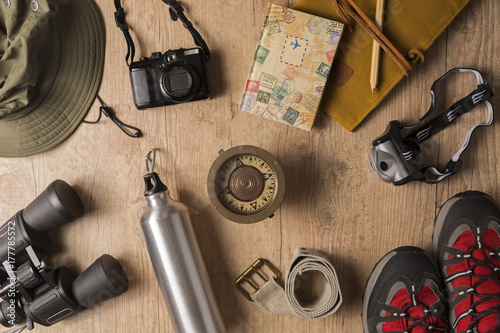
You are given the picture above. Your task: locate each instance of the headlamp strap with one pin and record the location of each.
(447, 117)
(176, 12)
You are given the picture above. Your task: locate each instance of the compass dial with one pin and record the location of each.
(246, 184)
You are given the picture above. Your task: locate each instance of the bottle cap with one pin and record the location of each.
(152, 181)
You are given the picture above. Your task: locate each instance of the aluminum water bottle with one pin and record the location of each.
(177, 260)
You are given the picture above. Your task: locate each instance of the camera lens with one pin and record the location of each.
(180, 82)
(58, 204)
(104, 279)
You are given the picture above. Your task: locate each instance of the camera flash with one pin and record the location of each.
(191, 51)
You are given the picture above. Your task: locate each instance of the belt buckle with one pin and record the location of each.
(255, 269)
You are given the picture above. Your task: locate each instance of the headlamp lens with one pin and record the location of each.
(383, 164)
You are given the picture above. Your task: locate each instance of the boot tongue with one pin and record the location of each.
(487, 324)
(403, 300)
(480, 254)
(416, 312)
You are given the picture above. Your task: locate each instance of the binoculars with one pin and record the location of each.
(31, 290)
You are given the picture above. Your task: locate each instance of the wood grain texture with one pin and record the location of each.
(333, 203)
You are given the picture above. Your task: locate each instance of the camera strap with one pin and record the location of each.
(176, 12)
(444, 119)
(122, 24)
(108, 112)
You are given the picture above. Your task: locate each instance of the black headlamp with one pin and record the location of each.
(392, 155)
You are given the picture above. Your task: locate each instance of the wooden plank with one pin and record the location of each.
(333, 203)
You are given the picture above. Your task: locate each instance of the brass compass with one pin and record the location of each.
(246, 184)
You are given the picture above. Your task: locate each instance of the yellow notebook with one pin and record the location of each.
(407, 24)
(290, 66)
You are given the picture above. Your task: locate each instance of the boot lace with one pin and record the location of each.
(399, 314)
(478, 316)
(421, 321)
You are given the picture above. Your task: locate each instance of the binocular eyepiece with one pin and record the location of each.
(30, 289)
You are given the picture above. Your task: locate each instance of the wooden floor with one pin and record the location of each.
(333, 202)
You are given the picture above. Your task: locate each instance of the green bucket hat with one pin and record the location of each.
(51, 64)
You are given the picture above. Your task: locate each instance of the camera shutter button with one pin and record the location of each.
(170, 57)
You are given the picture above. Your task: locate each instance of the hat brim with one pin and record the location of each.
(79, 36)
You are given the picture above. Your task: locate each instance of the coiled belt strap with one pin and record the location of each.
(273, 298)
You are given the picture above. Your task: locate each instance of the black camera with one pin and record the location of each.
(173, 77)
(177, 76)
(31, 290)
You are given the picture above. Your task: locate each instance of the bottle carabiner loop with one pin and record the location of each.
(151, 151)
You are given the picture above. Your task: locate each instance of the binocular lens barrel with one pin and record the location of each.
(58, 204)
(58, 294)
(102, 280)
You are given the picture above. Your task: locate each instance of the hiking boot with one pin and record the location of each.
(403, 294)
(466, 246)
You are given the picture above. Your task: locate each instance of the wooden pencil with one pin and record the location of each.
(379, 17)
